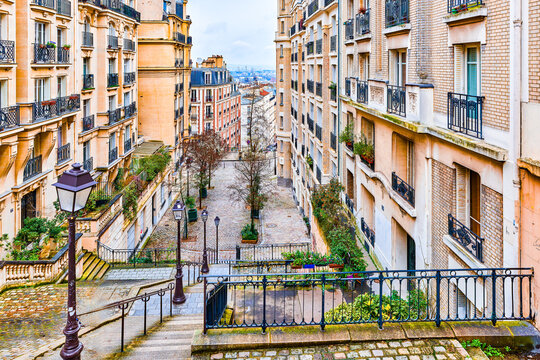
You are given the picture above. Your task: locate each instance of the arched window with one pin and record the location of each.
(112, 31)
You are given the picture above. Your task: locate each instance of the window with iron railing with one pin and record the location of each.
(396, 12)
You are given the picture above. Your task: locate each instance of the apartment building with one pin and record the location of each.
(216, 101)
(259, 102)
(165, 72)
(428, 103)
(307, 107)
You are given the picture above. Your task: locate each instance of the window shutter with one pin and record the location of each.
(458, 68)
(462, 193)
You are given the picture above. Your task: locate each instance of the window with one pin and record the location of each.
(3, 93)
(400, 67)
(86, 66)
(281, 122)
(280, 74)
(207, 78)
(86, 151)
(282, 27)
(41, 35)
(86, 107)
(280, 50)
(112, 67)
(468, 187)
(112, 102)
(403, 158)
(61, 86)
(112, 141)
(472, 71)
(193, 95)
(112, 32)
(41, 90)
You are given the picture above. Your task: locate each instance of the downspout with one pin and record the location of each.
(339, 92)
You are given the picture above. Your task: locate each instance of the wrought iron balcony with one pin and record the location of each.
(292, 31)
(318, 131)
(130, 110)
(397, 12)
(349, 203)
(117, 6)
(88, 122)
(457, 6)
(127, 145)
(209, 115)
(370, 234)
(88, 81)
(348, 87)
(465, 114)
(49, 109)
(112, 80)
(62, 55)
(333, 43)
(63, 7)
(44, 54)
(32, 168)
(7, 51)
(10, 117)
(362, 91)
(465, 237)
(88, 164)
(189, 40)
(405, 190)
(87, 39)
(129, 45)
(112, 42)
(328, 2)
(309, 48)
(313, 7)
(333, 141)
(318, 89)
(113, 155)
(310, 85)
(114, 116)
(129, 78)
(318, 46)
(45, 3)
(179, 37)
(310, 123)
(349, 30)
(63, 153)
(396, 100)
(362, 23)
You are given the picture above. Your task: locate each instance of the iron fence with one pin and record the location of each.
(349, 30)
(44, 54)
(473, 243)
(369, 233)
(378, 297)
(268, 251)
(129, 45)
(112, 42)
(88, 81)
(62, 56)
(114, 115)
(129, 78)
(32, 168)
(7, 51)
(45, 3)
(405, 190)
(63, 153)
(465, 114)
(112, 80)
(88, 122)
(10, 117)
(396, 12)
(396, 100)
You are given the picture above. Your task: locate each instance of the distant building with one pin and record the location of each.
(215, 101)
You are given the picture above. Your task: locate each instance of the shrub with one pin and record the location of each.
(249, 233)
(347, 135)
(26, 244)
(130, 200)
(154, 164)
(190, 202)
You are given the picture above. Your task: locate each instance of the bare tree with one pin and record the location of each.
(258, 125)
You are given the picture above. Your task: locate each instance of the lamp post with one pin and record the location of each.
(73, 189)
(204, 269)
(178, 212)
(216, 221)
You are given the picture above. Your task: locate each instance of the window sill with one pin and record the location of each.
(466, 17)
(397, 29)
(463, 254)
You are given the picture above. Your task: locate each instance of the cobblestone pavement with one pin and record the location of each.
(382, 350)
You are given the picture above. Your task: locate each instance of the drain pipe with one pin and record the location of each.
(340, 166)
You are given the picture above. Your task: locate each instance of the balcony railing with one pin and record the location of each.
(465, 114)
(10, 117)
(348, 87)
(32, 168)
(63, 55)
(333, 94)
(465, 237)
(456, 6)
(362, 23)
(349, 203)
(45, 3)
(63, 7)
(130, 110)
(333, 141)
(117, 6)
(129, 78)
(310, 86)
(127, 145)
(309, 48)
(63, 153)
(49, 109)
(114, 116)
(396, 100)
(44, 54)
(318, 89)
(310, 123)
(328, 2)
(88, 81)
(397, 12)
(88, 122)
(318, 175)
(113, 155)
(318, 46)
(112, 42)
(333, 43)
(7, 51)
(362, 91)
(112, 80)
(87, 39)
(179, 37)
(349, 30)
(405, 190)
(370, 234)
(313, 7)
(129, 45)
(88, 164)
(318, 131)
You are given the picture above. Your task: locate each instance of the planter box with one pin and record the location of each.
(296, 266)
(192, 215)
(250, 241)
(203, 193)
(336, 266)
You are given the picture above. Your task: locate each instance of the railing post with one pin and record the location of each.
(155, 257)
(381, 281)
(264, 304)
(493, 296)
(237, 253)
(322, 302)
(438, 298)
(205, 304)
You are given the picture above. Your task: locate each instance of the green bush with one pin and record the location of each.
(154, 164)
(190, 202)
(26, 244)
(489, 350)
(249, 233)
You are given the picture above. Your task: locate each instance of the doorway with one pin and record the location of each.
(29, 206)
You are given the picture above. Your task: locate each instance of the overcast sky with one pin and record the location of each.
(242, 31)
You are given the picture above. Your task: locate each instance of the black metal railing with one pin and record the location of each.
(362, 23)
(268, 251)
(87, 39)
(328, 2)
(333, 43)
(370, 234)
(112, 80)
(88, 122)
(362, 91)
(456, 6)
(129, 45)
(63, 153)
(376, 297)
(117, 6)
(45, 3)
(349, 30)
(112, 42)
(88, 164)
(318, 131)
(32, 168)
(129, 78)
(313, 7)
(348, 87)
(310, 48)
(349, 203)
(130, 110)
(113, 155)
(7, 51)
(310, 86)
(127, 145)
(114, 115)
(465, 114)
(333, 141)
(318, 89)
(10, 117)
(62, 55)
(396, 100)
(68, 104)
(405, 190)
(44, 54)
(63, 7)
(48, 109)
(310, 123)
(396, 12)
(318, 46)
(464, 236)
(88, 81)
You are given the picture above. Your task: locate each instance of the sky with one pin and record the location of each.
(242, 31)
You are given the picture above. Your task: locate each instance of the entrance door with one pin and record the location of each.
(131, 238)
(28, 206)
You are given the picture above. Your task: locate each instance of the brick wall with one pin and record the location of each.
(491, 219)
(534, 50)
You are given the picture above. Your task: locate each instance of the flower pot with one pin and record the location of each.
(192, 215)
(336, 266)
(296, 266)
(203, 193)
(309, 266)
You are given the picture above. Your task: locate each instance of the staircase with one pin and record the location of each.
(93, 267)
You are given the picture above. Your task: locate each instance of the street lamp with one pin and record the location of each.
(204, 269)
(73, 189)
(178, 212)
(216, 221)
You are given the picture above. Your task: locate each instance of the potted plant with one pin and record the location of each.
(192, 211)
(42, 46)
(365, 150)
(66, 46)
(203, 192)
(297, 263)
(249, 234)
(51, 45)
(347, 135)
(362, 10)
(336, 262)
(332, 86)
(309, 160)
